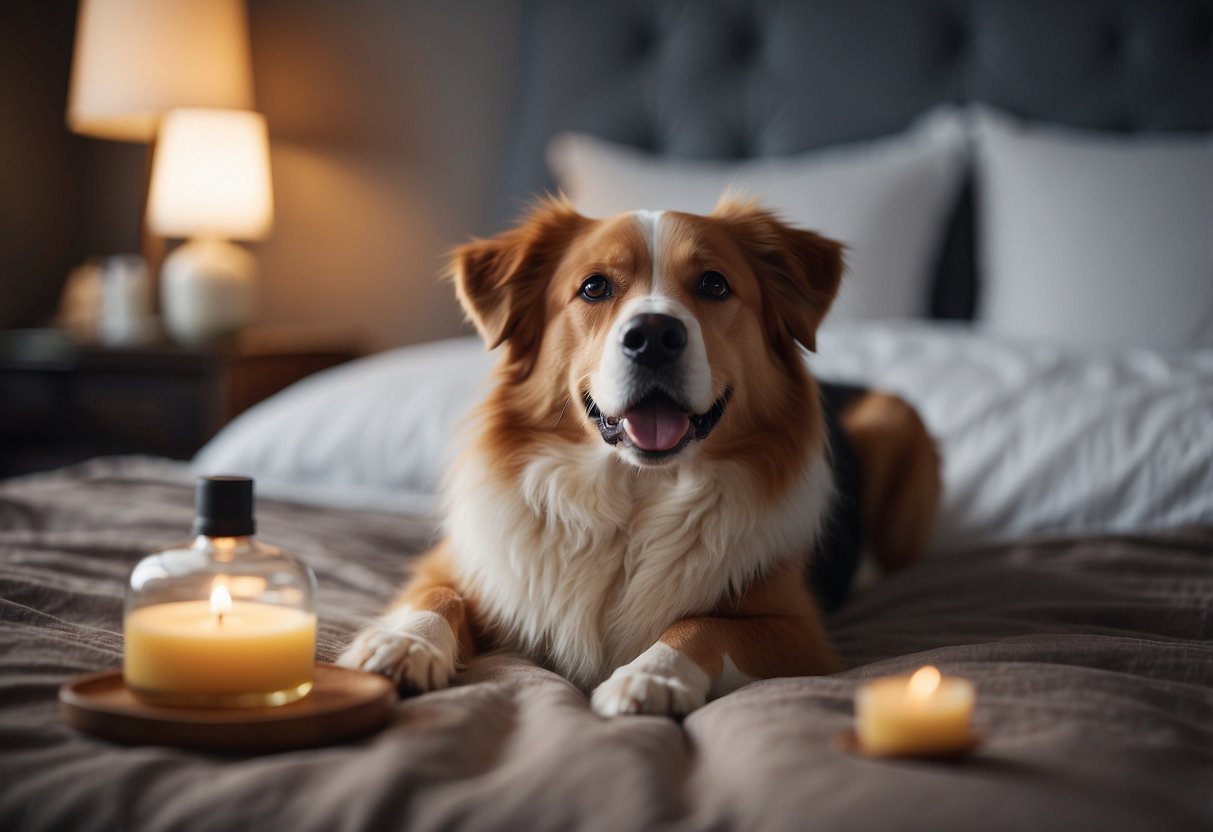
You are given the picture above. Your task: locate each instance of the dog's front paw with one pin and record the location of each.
(661, 681)
(638, 692)
(415, 649)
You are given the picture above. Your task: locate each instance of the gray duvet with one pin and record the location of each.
(1092, 659)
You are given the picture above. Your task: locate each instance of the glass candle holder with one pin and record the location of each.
(224, 621)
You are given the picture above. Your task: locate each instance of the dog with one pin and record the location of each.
(642, 486)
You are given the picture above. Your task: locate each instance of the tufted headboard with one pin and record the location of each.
(734, 79)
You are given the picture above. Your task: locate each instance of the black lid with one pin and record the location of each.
(223, 507)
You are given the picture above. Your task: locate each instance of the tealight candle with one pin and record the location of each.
(923, 714)
(226, 621)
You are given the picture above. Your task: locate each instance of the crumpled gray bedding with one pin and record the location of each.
(1092, 659)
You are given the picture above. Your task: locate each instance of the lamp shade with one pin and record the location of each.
(211, 175)
(135, 59)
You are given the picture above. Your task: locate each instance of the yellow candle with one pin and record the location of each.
(221, 652)
(920, 714)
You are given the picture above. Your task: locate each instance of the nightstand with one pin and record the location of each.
(62, 403)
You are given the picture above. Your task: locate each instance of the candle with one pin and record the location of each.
(924, 714)
(221, 652)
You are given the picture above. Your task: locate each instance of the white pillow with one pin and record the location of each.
(375, 433)
(1095, 240)
(888, 199)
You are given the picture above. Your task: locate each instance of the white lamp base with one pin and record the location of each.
(207, 291)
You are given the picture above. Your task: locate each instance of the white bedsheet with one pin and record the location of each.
(1035, 440)
(1043, 439)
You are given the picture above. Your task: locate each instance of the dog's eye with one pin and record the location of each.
(596, 287)
(713, 285)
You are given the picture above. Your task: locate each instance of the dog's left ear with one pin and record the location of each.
(800, 271)
(501, 281)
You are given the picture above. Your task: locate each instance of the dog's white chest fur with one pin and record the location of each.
(585, 561)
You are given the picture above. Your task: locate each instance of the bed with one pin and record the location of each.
(1071, 571)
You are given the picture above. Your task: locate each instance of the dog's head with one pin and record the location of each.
(656, 331)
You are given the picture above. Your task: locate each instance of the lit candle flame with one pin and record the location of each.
(221, 601)
(923, 683)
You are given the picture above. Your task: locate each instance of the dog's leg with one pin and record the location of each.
(772, 630)
(899, 476)
(424, 633)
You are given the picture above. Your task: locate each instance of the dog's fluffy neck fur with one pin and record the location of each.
(581, 561)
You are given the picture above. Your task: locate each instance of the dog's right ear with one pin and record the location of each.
(501, 281)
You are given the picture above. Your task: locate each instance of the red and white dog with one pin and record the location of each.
(644, 483)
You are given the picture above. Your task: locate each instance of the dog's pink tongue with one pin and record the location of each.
(655, 427)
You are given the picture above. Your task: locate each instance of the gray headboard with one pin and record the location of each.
(733, 79)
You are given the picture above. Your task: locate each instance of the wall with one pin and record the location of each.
(387, 122)
(39, 162)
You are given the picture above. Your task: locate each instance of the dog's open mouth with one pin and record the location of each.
(656, 425)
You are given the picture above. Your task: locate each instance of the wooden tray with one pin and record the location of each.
(848, 742)
(344, 703)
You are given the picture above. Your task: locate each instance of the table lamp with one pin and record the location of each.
(136, 59)
(133, 61)
(210, 184)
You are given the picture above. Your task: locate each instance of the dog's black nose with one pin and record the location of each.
(653, 339)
